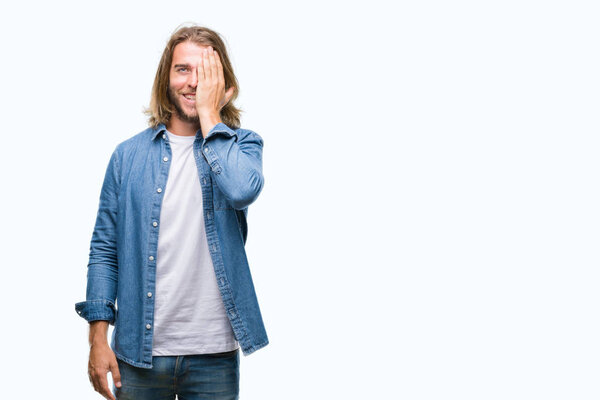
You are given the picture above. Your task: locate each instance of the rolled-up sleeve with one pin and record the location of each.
(102, 269)
(235, 158)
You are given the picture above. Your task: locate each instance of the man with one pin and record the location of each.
(168, 243)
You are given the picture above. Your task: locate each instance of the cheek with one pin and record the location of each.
(176, 82)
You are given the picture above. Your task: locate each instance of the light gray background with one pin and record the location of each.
(429, 225)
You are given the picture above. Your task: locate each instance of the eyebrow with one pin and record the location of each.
(181, 65)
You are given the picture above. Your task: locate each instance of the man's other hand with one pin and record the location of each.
(103, 360)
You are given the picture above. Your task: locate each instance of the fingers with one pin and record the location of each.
(221, 81)
(219, 66)
(102, 360)
(220, 73)
(101, 386)
(211, 92)
(214, 72)
(211, 66)
(116, 374)
(200, 68)
(208, 59)
(104, 389)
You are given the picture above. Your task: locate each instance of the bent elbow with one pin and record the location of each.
(247, 194)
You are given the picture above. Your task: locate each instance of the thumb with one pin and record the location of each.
(228, 95)
(115, 373)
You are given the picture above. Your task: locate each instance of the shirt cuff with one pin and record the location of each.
(96, 310)
(221, 129)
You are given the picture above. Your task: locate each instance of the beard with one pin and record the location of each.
(179, 110)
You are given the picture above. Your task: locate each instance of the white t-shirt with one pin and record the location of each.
(189, 316)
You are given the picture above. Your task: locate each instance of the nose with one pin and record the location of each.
(193, 79)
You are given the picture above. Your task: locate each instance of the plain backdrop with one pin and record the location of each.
(429, 223)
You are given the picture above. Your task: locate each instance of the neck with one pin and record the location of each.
(182, 128)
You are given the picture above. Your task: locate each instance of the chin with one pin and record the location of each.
(183, 115)
(191, 117)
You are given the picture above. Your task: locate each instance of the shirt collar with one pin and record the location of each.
(160, 128)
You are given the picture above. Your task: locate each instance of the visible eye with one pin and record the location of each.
(181, 69)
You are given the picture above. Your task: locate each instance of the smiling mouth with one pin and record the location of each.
(190, 97)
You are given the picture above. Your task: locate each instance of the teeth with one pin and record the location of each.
(190, 97)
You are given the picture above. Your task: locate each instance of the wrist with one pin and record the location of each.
(209, 116)
(99, 342)
(98, 333)
(208, 120)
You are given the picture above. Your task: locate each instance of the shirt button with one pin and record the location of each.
(149, 294)
(151, 258)
(148, 326)
(164, 136)
(206, 149)
(159, 190)
(155, 223)
(166, 159)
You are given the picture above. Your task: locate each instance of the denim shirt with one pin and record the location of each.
(121, 273)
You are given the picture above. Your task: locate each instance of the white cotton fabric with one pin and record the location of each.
(189, 316)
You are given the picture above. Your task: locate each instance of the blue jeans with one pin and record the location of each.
(191, 377)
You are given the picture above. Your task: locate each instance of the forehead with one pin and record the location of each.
(187, 53)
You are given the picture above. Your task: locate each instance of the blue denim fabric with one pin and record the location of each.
(122, 264)
(193, 377)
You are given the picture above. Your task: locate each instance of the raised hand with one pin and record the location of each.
(210, 92)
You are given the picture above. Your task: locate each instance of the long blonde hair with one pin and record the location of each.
(160, 109)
